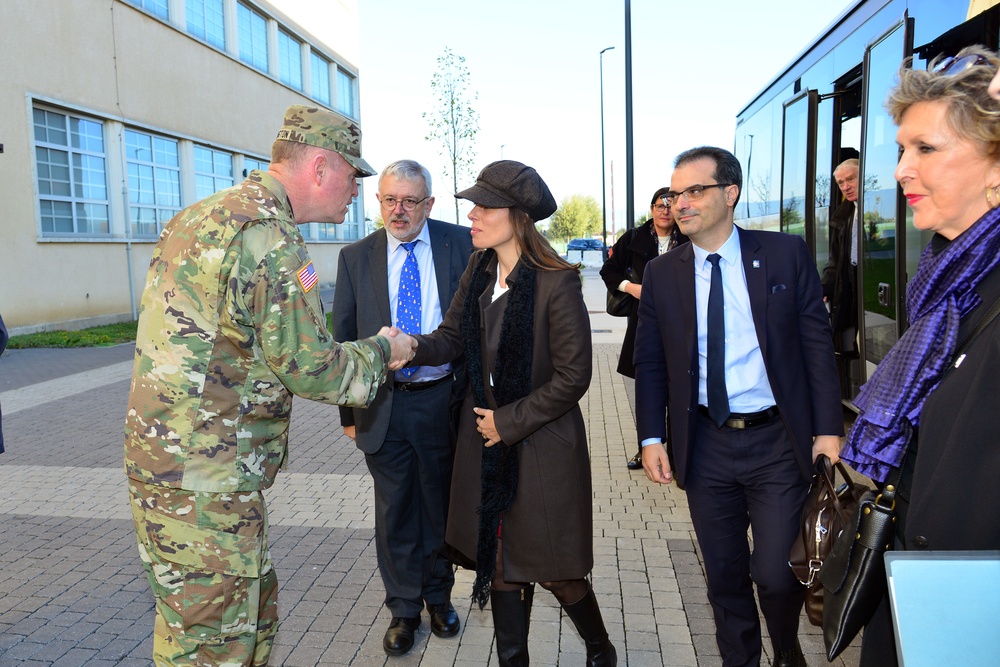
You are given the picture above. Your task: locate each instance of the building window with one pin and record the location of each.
(349, 230)
(289, 60)
(250, 164)
(320, 68)
(213, 171)
(206, 21)
(345, 94)
(253, 37)
(72, 179)
(154, 181)
(155, 7)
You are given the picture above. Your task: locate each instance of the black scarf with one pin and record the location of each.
(512, 381)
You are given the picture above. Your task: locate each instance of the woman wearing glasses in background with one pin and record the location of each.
(949, 170)
(623, 272)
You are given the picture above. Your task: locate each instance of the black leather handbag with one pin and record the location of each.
(620, 303)
(853, 575)
(828, 508)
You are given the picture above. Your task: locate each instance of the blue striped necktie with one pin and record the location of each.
(408, 298)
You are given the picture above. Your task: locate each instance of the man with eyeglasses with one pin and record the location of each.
(406, 275)
(734, 347)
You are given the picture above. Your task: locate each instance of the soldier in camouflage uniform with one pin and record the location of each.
(231, 325)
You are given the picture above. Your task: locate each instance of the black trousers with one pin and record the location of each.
(738, 479)
(412, 478)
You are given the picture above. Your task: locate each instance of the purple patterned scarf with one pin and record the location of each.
(941, 293)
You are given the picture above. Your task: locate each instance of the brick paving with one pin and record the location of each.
(73, 593)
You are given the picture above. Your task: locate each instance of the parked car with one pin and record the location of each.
(585, 244)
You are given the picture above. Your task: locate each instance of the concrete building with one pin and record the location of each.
(117, 114)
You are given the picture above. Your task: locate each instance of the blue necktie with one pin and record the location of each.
(408, 298)
(718, 397)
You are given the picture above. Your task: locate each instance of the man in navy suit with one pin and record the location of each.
(406, 275)
(734, 344)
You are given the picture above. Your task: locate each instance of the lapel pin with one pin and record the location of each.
(756, 264)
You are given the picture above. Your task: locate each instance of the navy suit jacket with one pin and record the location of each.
(792, 327)
(361, 308)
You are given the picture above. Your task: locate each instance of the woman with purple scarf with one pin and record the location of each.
(930, 406)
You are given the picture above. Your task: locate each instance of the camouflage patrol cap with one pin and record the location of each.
(325, 129)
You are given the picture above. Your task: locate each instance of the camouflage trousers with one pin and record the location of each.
(206, 556)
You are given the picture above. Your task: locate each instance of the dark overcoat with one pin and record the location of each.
(837, 274)
(628, 262)
(548, 531)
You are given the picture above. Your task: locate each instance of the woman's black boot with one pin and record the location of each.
(511, 617)
(586, 616)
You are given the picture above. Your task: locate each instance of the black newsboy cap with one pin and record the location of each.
(510, 184)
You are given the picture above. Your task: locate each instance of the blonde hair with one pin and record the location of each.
(971, 112)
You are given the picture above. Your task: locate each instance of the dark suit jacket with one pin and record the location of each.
(837, 280)
(628, 262)
(792, 328)
(361, 308)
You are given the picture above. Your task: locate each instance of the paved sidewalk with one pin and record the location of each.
(73, 593)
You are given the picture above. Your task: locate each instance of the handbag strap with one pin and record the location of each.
(991, 315)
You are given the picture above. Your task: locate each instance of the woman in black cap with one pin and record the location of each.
(521, 504)
(623, 272)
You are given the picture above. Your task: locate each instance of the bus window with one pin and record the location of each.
(879, 202)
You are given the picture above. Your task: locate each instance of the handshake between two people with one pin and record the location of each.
(403, 347)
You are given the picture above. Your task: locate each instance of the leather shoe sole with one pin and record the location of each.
(444, 620)
(399, 637)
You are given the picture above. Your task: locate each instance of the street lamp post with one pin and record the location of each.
(604, 208)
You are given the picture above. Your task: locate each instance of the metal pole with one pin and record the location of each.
(604, 206)
(629, 166)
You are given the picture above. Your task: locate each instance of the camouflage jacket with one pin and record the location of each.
(231, 325)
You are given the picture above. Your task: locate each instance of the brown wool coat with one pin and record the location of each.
(548, 532)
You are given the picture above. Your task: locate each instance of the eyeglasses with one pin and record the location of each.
(693, 193)
(660, 208)
(409, 203)
(952, 66)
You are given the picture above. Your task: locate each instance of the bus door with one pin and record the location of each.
(880, 232)
(798, 167)
(839, 140)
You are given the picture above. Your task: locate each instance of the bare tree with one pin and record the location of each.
(454, 123)
(762, 188)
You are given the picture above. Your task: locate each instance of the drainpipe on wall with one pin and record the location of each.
(128, 254)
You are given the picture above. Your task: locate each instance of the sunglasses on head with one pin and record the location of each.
(952, 66)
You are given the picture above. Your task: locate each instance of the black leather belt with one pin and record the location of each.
(746, 420)
(420, 386)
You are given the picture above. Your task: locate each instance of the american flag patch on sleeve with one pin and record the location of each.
(307, 277)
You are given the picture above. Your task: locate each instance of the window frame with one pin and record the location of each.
(75, 169)
(220, 181)
(162, 213)
(285, 53)
(211, 22)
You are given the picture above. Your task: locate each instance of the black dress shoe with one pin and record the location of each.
(444, 620)
(399, 637)
(791, 657)
(635, 463)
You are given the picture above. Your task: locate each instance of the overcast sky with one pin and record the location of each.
(535, 66)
